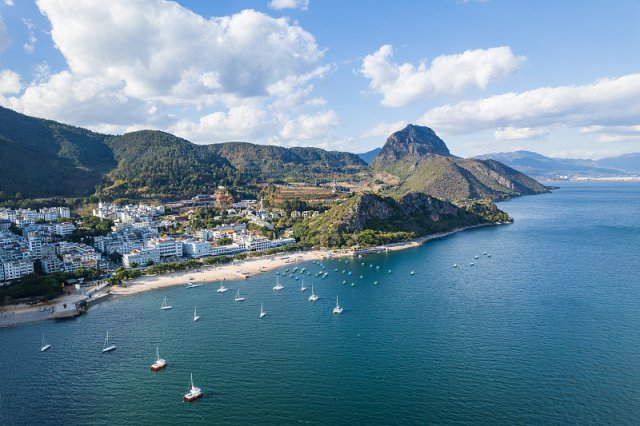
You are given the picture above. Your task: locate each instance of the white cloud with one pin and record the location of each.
(384, 129)
(8, 2)
(606, 102)
(30, 45)
(289, 4)
(156, 64)
(614, 134)
(402, 84)
(309, 127)
(10, 82)
(239, 123)
(519, 133)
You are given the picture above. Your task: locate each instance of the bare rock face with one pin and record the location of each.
(411, 144)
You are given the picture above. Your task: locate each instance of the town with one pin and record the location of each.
(137, 236)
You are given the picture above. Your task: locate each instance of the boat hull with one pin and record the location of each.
(109, 349)
(158, 367)
(190, 398)
(45, 347)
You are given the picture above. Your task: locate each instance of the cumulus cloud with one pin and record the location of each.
(402, 84)
(245, 122)
(8, 2)
(289, 4)
(10, 82)
(154, 63)
(519, 133)
(606, 102)
(309, 127)
(384, 129)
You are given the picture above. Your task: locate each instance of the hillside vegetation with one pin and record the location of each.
(367, 219)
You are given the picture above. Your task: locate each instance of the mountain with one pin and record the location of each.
(406, 147)
(422, 163)
(43, 158)
(629, 163)
(278, 162)
(538, 165)
(368, 156)
(372, 219)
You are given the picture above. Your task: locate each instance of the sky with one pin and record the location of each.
(561, 78)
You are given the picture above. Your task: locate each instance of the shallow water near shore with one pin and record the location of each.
(546, 330)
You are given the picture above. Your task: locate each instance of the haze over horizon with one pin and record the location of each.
(558, 78)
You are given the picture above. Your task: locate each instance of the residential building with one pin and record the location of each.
(141, 257)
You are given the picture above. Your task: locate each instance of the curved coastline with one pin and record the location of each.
(24, 314)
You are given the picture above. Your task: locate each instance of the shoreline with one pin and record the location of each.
(23, 314)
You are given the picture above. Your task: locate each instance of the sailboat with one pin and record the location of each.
(222, 288)
(262, 312)
(313, 296)
(196, 317)
(44, 346)
(160, 363)
(194, 393)
(165, 306)
(238, 297)
(338, 309)
(302, 287)
(278, 286)
(107, 347)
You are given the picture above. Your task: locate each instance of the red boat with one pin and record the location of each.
(159, 364)
(194, 393)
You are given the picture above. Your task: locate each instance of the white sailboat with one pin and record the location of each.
(313, 296)
(196, 317)
(302, 287)
(262, 311)
(238, 297)
(107, 347)
(222, 288)
(165, 305)
(44, 346)
(278, 286)
(338, 309)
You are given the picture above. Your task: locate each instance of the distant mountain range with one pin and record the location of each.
(540, 166)
(368, 156)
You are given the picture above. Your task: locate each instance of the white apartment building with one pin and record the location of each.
(51, 263)
(225, 250)
(196, 248)
(141, 257)
(16, 268)
(167, 247)
(65, 228)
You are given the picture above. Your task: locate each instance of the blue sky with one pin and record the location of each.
(560, 78)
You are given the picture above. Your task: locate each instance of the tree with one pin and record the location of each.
(133, 265)
(149, 262)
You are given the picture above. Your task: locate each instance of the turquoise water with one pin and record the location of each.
(545, 331)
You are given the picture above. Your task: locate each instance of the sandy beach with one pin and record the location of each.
(230, 271)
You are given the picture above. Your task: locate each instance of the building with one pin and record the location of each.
(141, 257)
(35, 245)
(51, 263)
(14, 269)
(167, 247)
(63, 229)
(196, 248)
